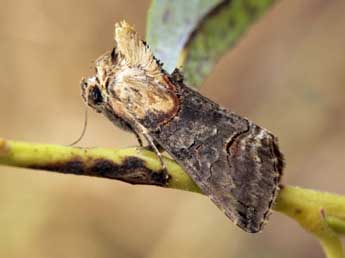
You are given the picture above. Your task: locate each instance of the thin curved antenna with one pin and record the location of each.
(84, 128)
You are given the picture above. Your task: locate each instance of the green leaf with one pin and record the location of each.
(169, 24)
(203, 29)
(218, 32)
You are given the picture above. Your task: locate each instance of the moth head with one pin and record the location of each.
(129, 79)
(95, 88)
(92, 93)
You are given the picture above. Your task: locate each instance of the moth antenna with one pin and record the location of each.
(84, 128)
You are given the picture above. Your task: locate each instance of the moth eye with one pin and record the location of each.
(95, 96)
(113, 56)
(83, 84)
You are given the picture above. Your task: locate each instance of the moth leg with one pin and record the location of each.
(123, 124)
(155, 143)
(141, 130)
(155, 148)
(140, 141)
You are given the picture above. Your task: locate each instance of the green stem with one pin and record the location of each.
(312, 210)
(132, 165)
(320, 213)
(338, 225)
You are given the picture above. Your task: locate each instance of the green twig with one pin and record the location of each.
(338, 225)
(312, 210)
(322, 214)
(132, 165)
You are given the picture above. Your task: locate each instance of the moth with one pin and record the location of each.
(233, 161)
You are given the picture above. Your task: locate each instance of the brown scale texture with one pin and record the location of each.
(235, 162)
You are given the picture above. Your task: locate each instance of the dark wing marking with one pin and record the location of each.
(236, 163)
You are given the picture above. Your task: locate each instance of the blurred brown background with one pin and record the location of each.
(287, 74)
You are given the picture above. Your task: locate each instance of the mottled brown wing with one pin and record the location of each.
(235, 162)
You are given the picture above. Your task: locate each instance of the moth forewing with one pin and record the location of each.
(235, 162)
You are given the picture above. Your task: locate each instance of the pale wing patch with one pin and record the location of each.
(142, 96)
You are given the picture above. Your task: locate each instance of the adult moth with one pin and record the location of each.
(234, 161)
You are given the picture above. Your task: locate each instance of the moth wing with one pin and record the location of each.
(236, 163)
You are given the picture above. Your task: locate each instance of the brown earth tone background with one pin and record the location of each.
(287, 74)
